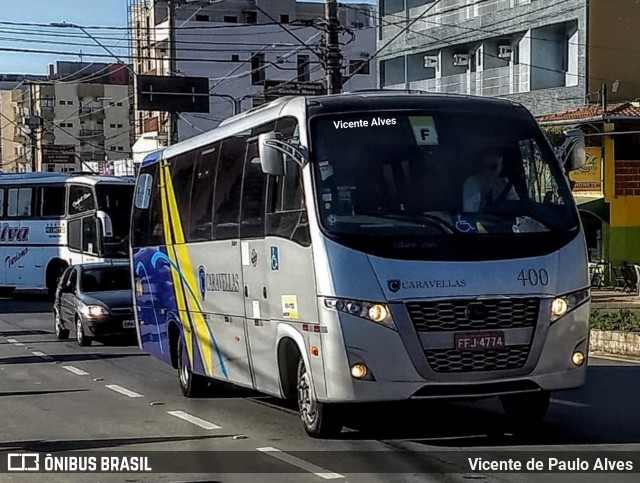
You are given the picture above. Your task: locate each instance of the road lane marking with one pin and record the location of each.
(42, 355)
(569, 403)
(15, 342)
(123, 390)
(194, 420)
(75, 370)
(300, 463)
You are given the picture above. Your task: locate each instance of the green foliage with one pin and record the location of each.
(555, 134)
(621, 320)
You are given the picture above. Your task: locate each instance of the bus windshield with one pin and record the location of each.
(433, 181)
(115, 200)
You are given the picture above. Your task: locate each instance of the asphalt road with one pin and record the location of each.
(56, 396)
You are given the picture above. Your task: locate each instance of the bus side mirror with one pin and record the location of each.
(271, 159)
(576, 155)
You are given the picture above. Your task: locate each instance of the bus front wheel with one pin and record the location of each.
(320, 420)
(526, 408)
(191, 385)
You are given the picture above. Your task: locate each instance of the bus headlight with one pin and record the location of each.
(93, 310)
(375, 312)
(561, 306)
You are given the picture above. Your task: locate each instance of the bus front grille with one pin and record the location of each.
(453, 360)
(456, 315)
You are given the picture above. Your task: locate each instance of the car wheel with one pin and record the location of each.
(191, 385)
(320, 420)
(61, 332)
(83, 339)
(526, 409)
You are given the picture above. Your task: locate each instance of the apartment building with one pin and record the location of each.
(85, 113)
(15, 151)
(551, 55)
(242, 47)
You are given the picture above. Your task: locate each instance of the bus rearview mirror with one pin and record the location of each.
(271, 159)
(577, 156)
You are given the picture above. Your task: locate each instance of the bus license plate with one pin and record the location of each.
(129, 324)
(479, 340)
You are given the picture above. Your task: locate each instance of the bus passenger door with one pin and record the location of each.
(255, 269)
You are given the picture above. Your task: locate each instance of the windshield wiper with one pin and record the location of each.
(414, 218)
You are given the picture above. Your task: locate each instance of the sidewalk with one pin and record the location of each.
(608, 299)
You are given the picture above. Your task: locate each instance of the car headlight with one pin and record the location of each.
(93, 310)
(375, 312)
(561, 306)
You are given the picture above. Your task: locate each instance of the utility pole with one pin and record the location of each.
(334, 58)
(173, 116)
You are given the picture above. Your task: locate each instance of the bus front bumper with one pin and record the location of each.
(397, 368)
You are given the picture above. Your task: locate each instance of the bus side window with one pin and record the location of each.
(148, 229)
(226, 201)
(286, 213)
(20, 202)
(204, 180)
(51, 201)
(75, 235)
(89, 236)
(253, 194)
(182, 168)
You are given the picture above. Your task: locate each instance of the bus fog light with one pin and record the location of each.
(377, 312)
(359, 371)
(559, 307)
(578, 358)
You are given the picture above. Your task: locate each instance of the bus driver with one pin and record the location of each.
(489, 186)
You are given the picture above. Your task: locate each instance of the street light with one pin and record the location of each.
(84, 30)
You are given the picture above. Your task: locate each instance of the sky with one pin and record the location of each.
(103, 13)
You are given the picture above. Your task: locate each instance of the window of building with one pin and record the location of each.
(119, 148)
(284, 18)
(202, 18)
(304, 74)
(62, 102)
(119, 104)
(69, 103)
(1, 202)
(235, 58)
(51, 200)
(230, 19)
(251, 17)
(112, 126)
(359, 67)
(257, 69)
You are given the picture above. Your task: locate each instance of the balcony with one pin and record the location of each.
(20, 134)
(95, 112)
(91, 133)
(492, 82)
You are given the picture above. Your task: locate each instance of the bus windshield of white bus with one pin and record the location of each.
(434, 182)
(115, 200)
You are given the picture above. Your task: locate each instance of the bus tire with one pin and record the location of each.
(320, 420)
(81, 337)
(526, 409)
(61, 333)
(191, 385)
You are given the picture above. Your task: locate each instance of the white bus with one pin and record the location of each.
(365, 247)
(49, 221)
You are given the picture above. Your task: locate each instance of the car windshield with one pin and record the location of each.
(106, 279)
(435, 174)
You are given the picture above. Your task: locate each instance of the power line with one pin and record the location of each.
(378, 51)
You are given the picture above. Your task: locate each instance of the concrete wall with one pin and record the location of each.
(614, 38)
(425, 35)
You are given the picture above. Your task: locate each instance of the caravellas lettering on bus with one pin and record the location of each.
(13, 233)
(223, 282)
